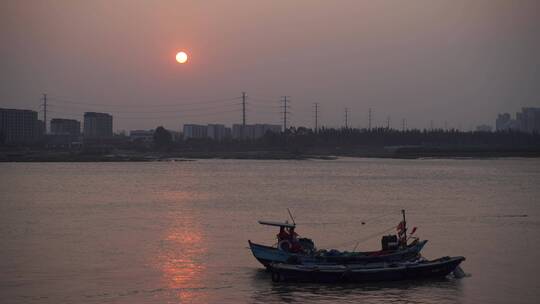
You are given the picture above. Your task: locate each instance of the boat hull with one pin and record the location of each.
(267, 255)
(358, 274)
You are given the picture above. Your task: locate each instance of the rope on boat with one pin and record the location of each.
(364, 221)
(378, 217)
(372, 236)
(357, 242)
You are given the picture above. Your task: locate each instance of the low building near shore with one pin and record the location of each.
(256, 131)
(141, 136)
(69, 127)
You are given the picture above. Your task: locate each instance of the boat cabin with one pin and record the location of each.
(287, 238)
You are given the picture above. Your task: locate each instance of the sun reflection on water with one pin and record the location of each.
(180, 260)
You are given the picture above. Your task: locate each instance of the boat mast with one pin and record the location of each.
(404, 226)
(292, 218)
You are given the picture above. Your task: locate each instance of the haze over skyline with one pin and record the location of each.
(456, 61)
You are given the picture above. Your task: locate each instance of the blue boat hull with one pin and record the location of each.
(342, 273)
(267, 255)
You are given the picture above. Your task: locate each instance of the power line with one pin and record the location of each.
(90, 109)
(155, 117)
(71, 101)
(277, 107)
(207, 107)
(265, 99)
(274, 103)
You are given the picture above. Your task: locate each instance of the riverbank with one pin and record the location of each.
(131, 156)
(61, 156)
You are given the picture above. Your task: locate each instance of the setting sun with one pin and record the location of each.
(181, 57)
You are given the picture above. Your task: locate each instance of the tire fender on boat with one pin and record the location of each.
(284, 245)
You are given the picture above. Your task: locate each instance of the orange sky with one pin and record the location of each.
(455, 61)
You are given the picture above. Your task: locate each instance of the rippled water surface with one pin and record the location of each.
(176, 232)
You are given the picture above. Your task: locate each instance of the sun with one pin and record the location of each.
(181, 57)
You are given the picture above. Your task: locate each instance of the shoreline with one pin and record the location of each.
(59, 156)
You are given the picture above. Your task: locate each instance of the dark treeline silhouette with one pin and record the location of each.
(392, 137)
(294, 143)
(162, 138)
(348, 141)
(380, 137)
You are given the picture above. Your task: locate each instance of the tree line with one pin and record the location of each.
(304, 138)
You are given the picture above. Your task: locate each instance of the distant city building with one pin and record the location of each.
(176, 135)
(144, 136)
(239, 132)
(218, 132)
(195, 131)
(19, 126)
(528, 120)
(70, 127)
(253, 131)
(261, 129)
(98, 125)
(484, 128)
(40, 128)
(503, 122)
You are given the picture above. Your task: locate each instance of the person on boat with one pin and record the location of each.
(283, 234)
(293, 234)
(296, 247)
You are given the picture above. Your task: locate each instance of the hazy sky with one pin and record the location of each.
(455, 61)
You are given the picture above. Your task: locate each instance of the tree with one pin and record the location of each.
(162, 138)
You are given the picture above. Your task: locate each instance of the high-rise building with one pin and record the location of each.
(238, 131)
(71, 127)
(502, 121)
(528, 120)
(195, 131)
(218, 132)
(98, 125)
(19, 126)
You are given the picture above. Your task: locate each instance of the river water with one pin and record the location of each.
(176, 232)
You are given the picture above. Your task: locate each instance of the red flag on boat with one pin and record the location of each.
(400, 227)
(413, 230)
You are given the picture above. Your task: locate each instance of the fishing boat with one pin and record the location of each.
(267, 255)
(292, 250)
(407, 270)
